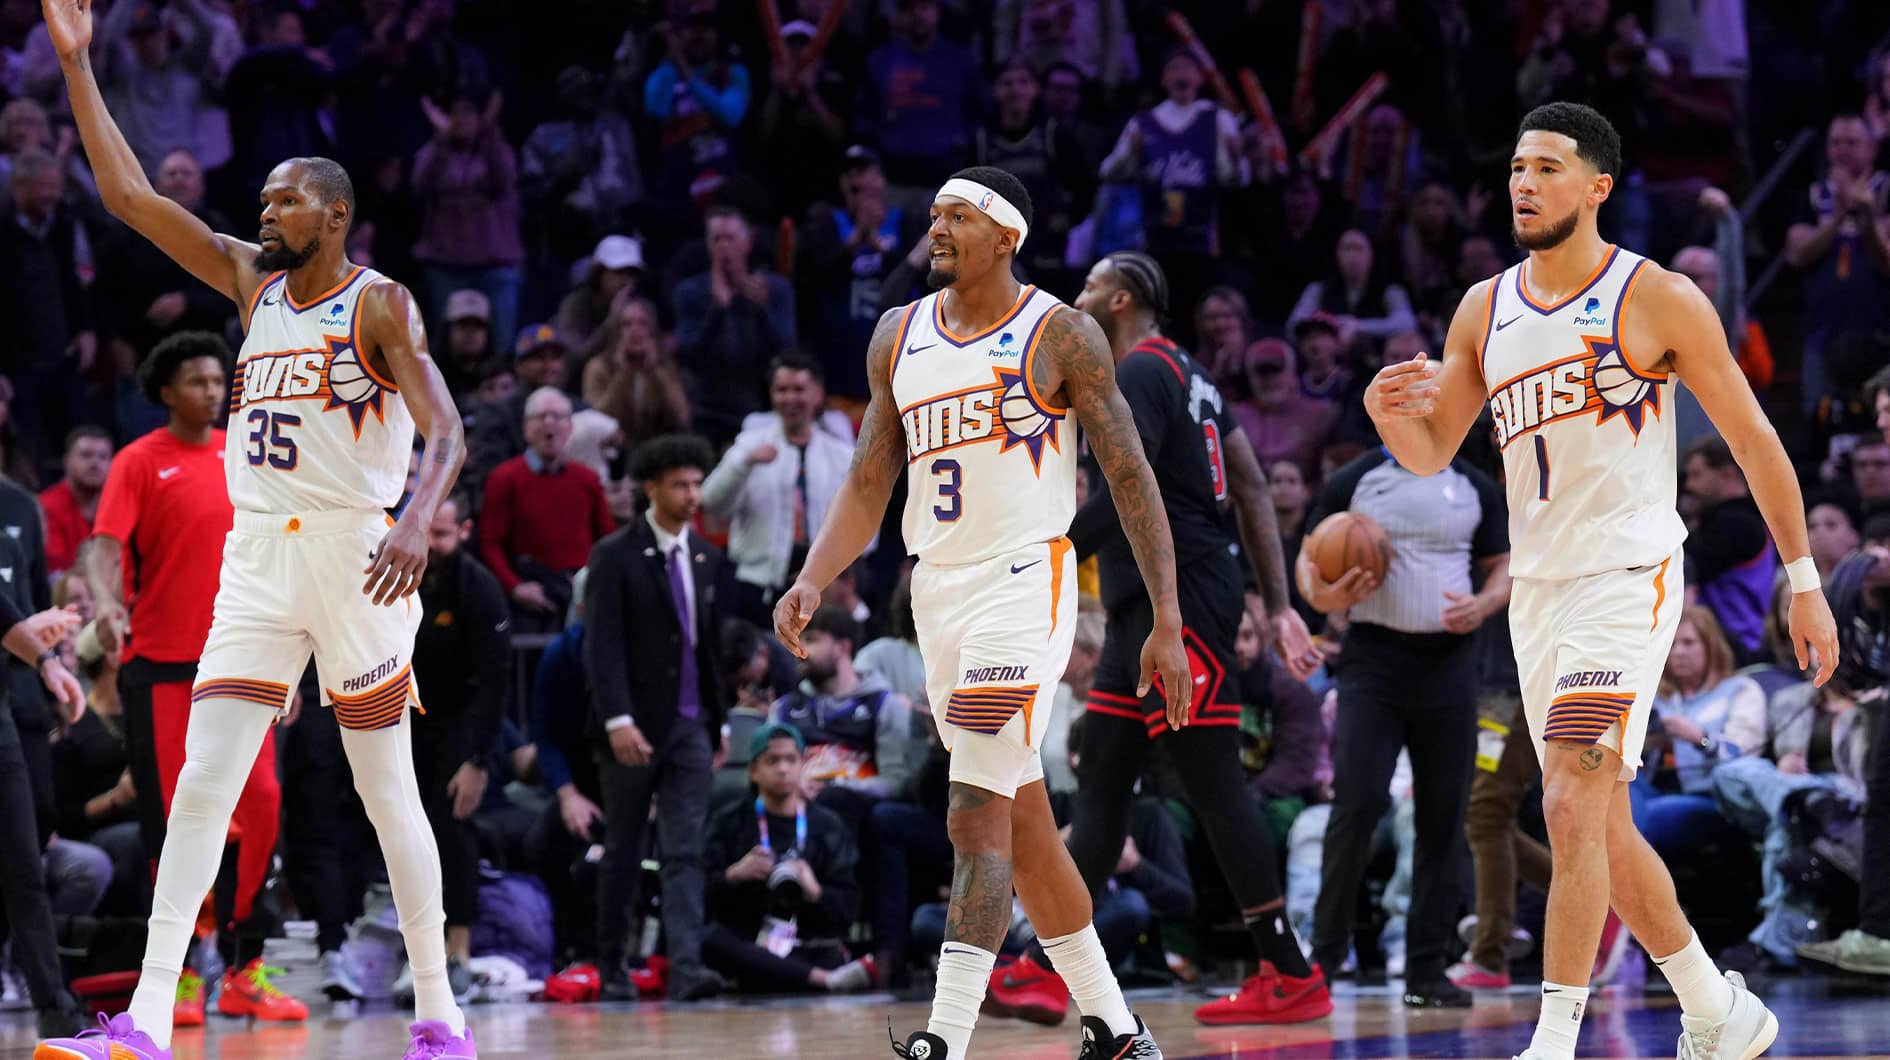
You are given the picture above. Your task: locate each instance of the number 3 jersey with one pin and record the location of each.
(990, 462)
(313, 425)
(1587, 437)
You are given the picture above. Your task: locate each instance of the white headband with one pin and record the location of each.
(995, 206)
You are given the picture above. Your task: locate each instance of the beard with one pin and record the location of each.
(1548, 238)
(937, 278)
(285, 258)
(818, 671)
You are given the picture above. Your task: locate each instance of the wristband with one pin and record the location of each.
(49, 655)
(1803, 573)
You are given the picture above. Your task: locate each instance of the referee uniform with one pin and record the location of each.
(1406, 682)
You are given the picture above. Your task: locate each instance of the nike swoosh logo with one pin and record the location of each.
(1025, 567)
(910, 350)
(948, 948)
(1508, 322)
(272, 301)
(168, 472)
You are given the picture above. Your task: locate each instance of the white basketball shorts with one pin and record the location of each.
(1590, 651)
(996, 636)
(291, 588)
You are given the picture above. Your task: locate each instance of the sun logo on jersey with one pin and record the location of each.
(1001, 411)
(1600, 381)
(353, 388)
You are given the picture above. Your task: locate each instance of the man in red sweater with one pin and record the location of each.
(542, 515)
(71, 503)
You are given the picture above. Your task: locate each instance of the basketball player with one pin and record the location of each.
(331, 382)
(980, 380)
(1576, 353)
(1201, 458)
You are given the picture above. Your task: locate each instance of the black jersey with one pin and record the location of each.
(1184, 423)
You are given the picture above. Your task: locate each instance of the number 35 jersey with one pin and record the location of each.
(313, 426)
(990, 462)
(1587, 437)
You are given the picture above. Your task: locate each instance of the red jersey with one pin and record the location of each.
(168, 506)
(66, 526)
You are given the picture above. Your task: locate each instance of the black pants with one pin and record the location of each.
(134, 693)
(678, 777)
(1873, 894)
(1398, 691)
(433, 766)
(757, 971)
(570, 877)
(22, 876)
(329, 852)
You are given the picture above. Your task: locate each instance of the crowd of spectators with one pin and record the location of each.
(651, 244)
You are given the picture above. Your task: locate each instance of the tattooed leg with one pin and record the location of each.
(980, 826)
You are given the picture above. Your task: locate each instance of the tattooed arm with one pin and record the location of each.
(879, 455)
(1077, 362)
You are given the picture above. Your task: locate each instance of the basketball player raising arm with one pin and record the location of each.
(300, 210)
(1075, 357)
(1423, 411)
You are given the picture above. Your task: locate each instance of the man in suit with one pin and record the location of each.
(652, 607)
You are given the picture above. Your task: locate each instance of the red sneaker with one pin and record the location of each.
(250, 993)
(1269, 997)
(651, 980)
(187, 1010)
(1027, 991)
(1473, 976)
(579, 984)
(1616, 944)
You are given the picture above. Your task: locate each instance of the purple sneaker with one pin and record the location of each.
(116, 1038)
(433, 1040)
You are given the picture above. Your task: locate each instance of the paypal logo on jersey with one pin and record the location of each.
(335, 317)
(1588, 319)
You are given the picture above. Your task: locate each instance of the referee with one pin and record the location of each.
(1408, 680)
(34, 639)
(159, 533)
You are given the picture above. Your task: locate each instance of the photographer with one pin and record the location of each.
(781, 884)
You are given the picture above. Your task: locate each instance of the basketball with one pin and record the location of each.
(1022, 418)
(347, 381)
(1344, 540)
(1616, 382)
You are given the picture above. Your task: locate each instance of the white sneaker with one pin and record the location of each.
(1530, 1054)
(338, 981)
(1747, 1030)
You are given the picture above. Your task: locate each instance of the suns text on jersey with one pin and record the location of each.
(1549, 393)
(951, 420)
(284, 376)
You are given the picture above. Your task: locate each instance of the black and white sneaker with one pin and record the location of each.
(921, 1046)
(1100, 1044)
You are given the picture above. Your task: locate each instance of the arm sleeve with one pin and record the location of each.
(1492, 533)
(722, 490)
(659, 92)
(606, 633)
(552, 689)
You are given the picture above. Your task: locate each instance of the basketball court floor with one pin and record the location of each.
(1817, 1017)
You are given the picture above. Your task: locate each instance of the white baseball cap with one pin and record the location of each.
(619, 252)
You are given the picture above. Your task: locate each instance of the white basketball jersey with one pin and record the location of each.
(312, 426)
(990, 464)
(1587, 439)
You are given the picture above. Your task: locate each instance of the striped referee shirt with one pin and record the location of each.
(1439, 527)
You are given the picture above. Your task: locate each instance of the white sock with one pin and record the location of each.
(220, 747)
(382, 761)
(1080, 960)
(1559, 1021)
(964, 971)
(1696, 982)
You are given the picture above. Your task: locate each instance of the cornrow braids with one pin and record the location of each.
(1144, 278)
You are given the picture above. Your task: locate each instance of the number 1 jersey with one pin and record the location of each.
(990, 462)
(313, 426)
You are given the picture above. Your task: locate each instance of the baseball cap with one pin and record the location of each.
(859, 156)
(1321, 319)
(1268, 353)
(800, 27)
(772, 731)
(619, 252)
(468, 304)
(535, 338)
